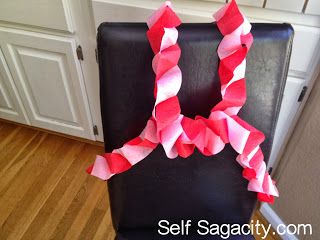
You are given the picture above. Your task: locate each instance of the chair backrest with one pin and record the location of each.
(198, 187)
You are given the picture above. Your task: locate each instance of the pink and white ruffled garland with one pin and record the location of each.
(178, 134)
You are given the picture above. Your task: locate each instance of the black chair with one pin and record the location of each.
(199, 187)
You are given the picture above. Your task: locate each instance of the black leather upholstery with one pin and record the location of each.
(198, 187)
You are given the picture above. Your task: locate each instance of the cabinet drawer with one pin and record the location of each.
(305, 44)
(44, 13)
(254, 3)
(286, 5)
(313, 7)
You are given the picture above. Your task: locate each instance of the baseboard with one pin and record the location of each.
(272, 217)
(97, 143)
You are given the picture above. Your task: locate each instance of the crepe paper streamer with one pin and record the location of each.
(180, 135)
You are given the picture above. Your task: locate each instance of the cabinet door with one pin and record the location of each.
(11, 107)
(48, 76)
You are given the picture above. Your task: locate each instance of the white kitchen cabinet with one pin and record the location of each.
(11, 107)
(49, 80)
(44, 13)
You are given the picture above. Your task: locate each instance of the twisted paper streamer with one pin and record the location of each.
(179, 135)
